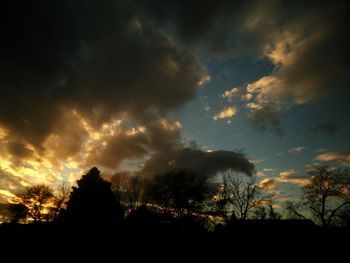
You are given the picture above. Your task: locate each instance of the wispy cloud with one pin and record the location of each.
(266, 172)
(342, 158)
(256, 161)
(296, 150)
(293, 151)
(286, 177)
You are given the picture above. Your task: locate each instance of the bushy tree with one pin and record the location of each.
(180, 191)
(93, 202)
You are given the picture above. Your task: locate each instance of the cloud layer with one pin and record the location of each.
(90, 83)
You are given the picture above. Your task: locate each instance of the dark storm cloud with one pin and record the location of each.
(195, 23)
(216, 26)
(206, 163)
(96, 58)
(328, 127)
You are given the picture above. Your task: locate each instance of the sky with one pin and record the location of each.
(258, 87)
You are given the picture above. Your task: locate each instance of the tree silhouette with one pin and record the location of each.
(142, 216)
(12, 213)
(327, 195)
(128, 188)
(242, 195)
(180, 191)
(37, 200)
(93, 202)
(17, 212)
(60, 200)
(223, 199)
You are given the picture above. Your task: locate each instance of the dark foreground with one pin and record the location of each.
(259, 240)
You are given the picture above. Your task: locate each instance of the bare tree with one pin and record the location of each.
(128, 189)
(293, 210)
(260, 213)
(343, 219)
(60, 199)
(135, 192)
(327, 193)
(327, 196)
(243, 195)
(223, 198)
(36, 199)
(119, 185)
(273, 214)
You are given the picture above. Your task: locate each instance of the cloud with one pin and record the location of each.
(265, 118)
(114, 145)
(89, 81)
(226, 112)
(257, 161)
(71, 71)
(268, 183)
(206, 163)
(83, 56)
(266, 172)
(301, 47)
(288, 173)
(328, 127)
(342, 158)
(307, 52)
(19, 149)
(9, 184)
(260, 174)
(296, 150)
(287, 178)
(231, 94)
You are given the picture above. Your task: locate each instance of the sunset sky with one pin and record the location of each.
(152, 85)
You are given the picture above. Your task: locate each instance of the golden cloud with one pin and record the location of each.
(342, 158)
(288, 177)
(231, 94)
(226, 112)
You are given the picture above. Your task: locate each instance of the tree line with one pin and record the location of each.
(180, 195)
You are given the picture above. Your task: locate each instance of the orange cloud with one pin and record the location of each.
(226, 112)
(268, 183)
(231, 94)
(342, 158)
